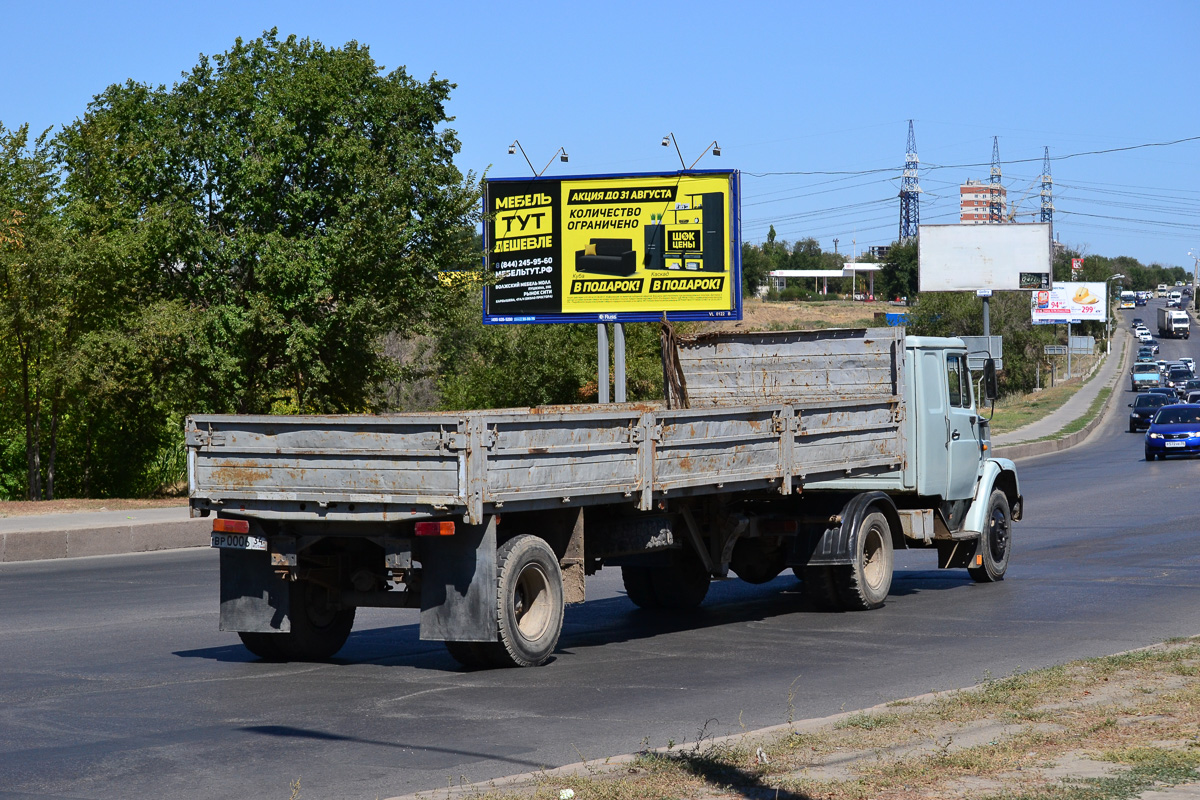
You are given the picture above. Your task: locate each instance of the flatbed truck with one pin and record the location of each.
(820, 452)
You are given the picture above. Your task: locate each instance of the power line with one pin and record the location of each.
(892, 170)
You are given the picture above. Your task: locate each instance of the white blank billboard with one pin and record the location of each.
(967, 258)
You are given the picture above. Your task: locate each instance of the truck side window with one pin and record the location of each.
(953, 381)
(958, 379)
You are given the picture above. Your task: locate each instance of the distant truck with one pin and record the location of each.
(1144, 375)
(818, 452)
(1174, 324)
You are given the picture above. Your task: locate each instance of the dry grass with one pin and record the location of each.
(759, 315)
(1100, 729)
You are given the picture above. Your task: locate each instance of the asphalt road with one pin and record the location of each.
(118, 684)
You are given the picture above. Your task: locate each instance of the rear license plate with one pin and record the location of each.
(239, 541)
(1175, 444)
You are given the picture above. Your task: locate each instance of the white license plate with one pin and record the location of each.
(239, 541)
(1175, 444)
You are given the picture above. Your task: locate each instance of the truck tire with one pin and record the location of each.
(639, 586)
(319, 630)
(473, 655)
(995, 541)
(262, 645)
(683, 583)
(758, 560)
(864, 585)
(679, 584)
(529, 602)
(819, 587)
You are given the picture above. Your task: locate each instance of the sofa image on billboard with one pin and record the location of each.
(607, 257)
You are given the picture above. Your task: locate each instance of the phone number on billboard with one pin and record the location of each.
(526, 262)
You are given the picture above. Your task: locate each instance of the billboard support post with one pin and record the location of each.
(619, 360)
(987, 319)
(1068, 349)
(602, 361)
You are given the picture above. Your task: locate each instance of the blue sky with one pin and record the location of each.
(789, 90)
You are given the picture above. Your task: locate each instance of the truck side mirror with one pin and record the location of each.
(990, 389)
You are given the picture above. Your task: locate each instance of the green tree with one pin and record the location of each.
(898, 277)
(33, 285)
(755, 266)
(298, 200)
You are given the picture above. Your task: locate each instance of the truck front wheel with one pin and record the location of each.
(995, 542)
(864, 585)
(319, 628)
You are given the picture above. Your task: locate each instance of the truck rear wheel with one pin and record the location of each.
(820, 588)
(864, 585)
(319, 628)
(679, 584)
(639, 586)
(529, 601)
(995, 545)
(683, 583)
(473, 655)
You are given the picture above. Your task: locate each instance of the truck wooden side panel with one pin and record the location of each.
(769, 412)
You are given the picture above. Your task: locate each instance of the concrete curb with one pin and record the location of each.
(1041, 448)
(103, 540)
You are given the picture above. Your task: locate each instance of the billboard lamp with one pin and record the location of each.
(516, 145)
(670, 139)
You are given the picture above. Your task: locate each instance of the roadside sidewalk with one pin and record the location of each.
(1030, 440)
(99, 533)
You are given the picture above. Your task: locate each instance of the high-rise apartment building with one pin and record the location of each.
(974, 200)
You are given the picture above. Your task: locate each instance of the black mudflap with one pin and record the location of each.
(254, 598)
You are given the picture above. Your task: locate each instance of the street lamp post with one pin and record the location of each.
(1107, 314)
(1195, 268)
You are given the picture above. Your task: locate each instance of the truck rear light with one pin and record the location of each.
(231, 525)
(434, 529)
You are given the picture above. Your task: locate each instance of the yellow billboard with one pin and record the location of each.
(613, 248)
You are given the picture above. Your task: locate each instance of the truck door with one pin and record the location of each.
(962, 430)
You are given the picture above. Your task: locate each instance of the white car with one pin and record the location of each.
(1192, 397)
(1144, 335)
(1191, 362)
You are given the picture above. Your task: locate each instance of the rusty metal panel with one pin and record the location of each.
(563, 455)
(792, 366)
(394, 459)
(717, 446)
(849, 437)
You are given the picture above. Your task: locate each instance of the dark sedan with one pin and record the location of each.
(1144, 408)
(1174, 431)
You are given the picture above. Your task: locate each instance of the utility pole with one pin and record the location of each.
(1047, 193)
(910, 190)
(995, 214)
